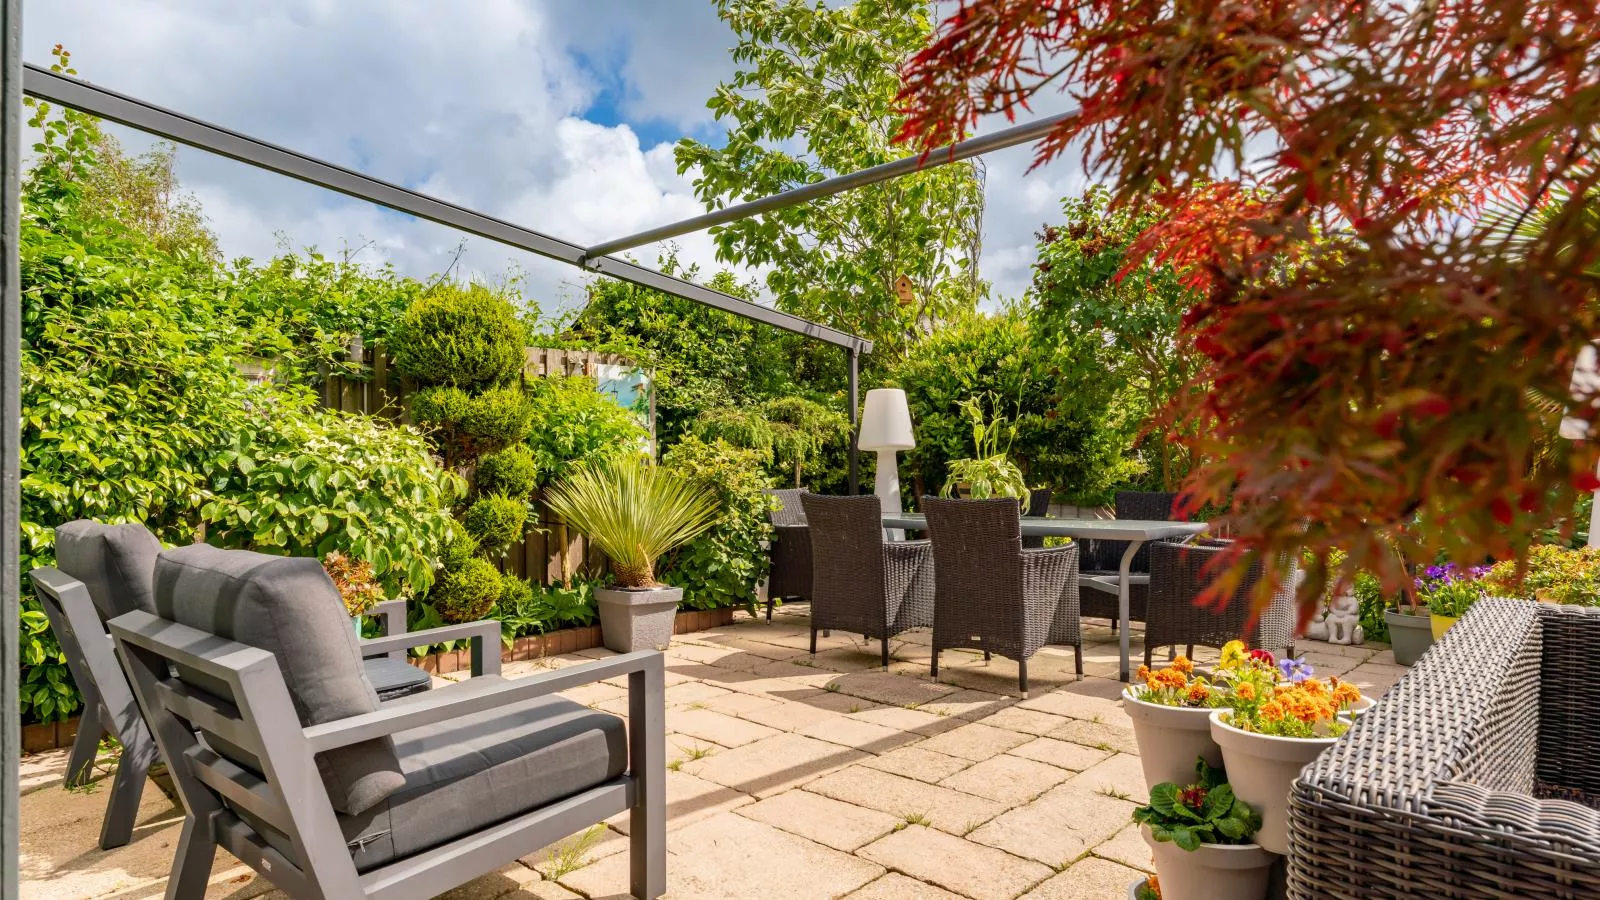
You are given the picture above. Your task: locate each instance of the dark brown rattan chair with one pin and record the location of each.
(859, 581)
(1475, 777)
(1105, 557)
(790, 554)
(1179, 573)
(1038, 506)
(990, 593)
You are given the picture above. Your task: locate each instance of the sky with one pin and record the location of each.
(559, 115)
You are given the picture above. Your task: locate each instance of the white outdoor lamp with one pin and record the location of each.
(886, 428)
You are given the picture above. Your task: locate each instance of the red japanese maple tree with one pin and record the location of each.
(1389, 208)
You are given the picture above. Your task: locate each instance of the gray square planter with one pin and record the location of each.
(638, 619)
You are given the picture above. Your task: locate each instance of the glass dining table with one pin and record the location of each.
(1134, 531)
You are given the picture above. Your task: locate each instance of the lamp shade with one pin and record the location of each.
(886, 423)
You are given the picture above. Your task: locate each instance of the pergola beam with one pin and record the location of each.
(107, 104)
(838, 184)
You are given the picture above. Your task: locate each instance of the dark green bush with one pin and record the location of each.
(516, 598)
(511, 472)
(440, 406)
(722, 566)
(467, 593)
(498, 416)
(468, 337)
(495, 521)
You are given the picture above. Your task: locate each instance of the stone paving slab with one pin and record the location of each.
(792, 778)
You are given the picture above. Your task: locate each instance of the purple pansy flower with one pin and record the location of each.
(1295, 670)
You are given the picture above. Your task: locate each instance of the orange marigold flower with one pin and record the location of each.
(1168, 678)
(1314, 687)
(1272, 711)
(1344, 692)
(1183, 664)
(1143, 675)
(1198, 691)
(1245, 691)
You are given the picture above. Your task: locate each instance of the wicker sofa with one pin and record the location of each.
(1448, 787)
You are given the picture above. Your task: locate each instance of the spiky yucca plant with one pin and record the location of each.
(634, 511)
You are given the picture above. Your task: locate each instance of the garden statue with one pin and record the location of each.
(1343, 623)
(1317, 628)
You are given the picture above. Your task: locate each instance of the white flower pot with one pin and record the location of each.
(637, 619)
(1213, 872)
(1261, 769)
(1170, 738)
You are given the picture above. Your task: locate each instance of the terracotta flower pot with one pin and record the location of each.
(1213, 872)
(1170, 738)
(1410, 636)
(1441, 624)
(1261, 769)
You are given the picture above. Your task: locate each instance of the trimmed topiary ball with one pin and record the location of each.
(440, 406)
(467, 593)
(511, 472)
(495, 521)
(458, 550)
(516, 597)
(467, 337)
(498, 416)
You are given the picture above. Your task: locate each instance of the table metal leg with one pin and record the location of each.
(1122, 599)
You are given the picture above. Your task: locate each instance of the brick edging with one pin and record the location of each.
(37, 738)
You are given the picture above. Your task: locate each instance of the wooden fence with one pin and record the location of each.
(548, 551)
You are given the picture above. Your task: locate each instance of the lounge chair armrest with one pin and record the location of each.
(484, 634)
(391, 616)
(444, 705)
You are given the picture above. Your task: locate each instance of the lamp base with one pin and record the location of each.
(887, 486)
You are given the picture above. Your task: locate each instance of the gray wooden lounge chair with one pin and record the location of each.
(789, 577)
(254, 687)
(111, 570)
(859, 581)
(990, 594)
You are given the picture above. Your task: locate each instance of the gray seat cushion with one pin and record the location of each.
(475, 771)
(288, 607)
(393, 679)
(117, 563)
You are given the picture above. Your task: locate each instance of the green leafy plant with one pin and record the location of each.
(467, 337)
(1552, 573)
(498, 416)
(511, 472)
(576, 425)
(988, 473)
(1205, 812)
(634, 511)
(495, 521)
(466, 593)
(723, 565)
(526, 608)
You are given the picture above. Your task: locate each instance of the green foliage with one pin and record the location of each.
(467, 592)
(496, 522)
(1070, 432)
(498, 416)
(468, 337)
(539, 609)
(815, 95)
(1553, 573)
(311, 485)
(1083, 285)
(722, 566)
(1206, 812)
(988, 472)
(787, 432)
(633, 511)
(441, 407)
(1372, 602)
(511, 472)
(577, 425)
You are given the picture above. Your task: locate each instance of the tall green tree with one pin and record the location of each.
(815, 97)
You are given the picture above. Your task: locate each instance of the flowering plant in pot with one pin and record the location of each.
(1171, 713)
(1201, 837)
(635, 512)
(1279, 717)
(1447, 591)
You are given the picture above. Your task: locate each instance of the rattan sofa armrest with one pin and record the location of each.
(484, 634)
(442, 706)
(1548, 824)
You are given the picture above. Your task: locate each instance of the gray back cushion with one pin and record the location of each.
(117, 563)
(288, 607)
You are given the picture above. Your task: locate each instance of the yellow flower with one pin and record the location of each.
(1233, 655)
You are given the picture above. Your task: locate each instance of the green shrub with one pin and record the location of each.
(722, 566)
(440, 406)
(498, 416)
(456, 551)
(540, 608)
(495, 521)
(467, 593)
(467, 337)
(511, 472)
(516, 597)
(575, 424)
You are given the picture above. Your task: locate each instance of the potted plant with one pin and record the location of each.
(1448, 591)
(1279, 717)
(989, 473)
(1147, 888)
(1171, 713)
(635, 512)
(1200, 835)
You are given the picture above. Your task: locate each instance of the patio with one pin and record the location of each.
(792, 778)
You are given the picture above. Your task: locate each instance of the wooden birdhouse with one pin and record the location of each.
(904, 290)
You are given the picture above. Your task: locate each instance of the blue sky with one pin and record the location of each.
(556, 114)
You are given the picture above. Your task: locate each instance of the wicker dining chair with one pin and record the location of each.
(1180, 573)
(1474, 778)
(789, 577)
(1038, 507)
(1105, 557)
(859, 581)
(990, 594)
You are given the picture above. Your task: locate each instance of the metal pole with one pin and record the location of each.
(855, 416)
(10, 440)
(950, 153)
